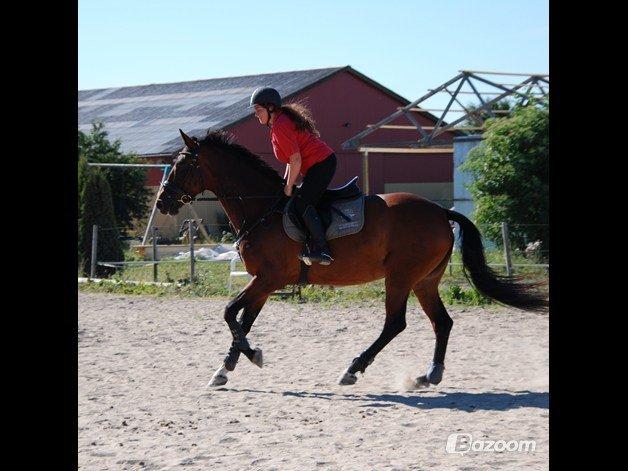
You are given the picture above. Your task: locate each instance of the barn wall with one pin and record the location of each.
(154, 175)
(462, 197)
(439, 192)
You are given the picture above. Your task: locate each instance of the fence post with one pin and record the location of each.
(154, 232)
(506, 240)
(191, 237)
(92, 272)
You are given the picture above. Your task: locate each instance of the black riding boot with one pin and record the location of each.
(317, 243)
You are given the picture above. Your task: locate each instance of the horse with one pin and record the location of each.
(407, 240)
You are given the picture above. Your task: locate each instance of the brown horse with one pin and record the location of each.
(407, 240)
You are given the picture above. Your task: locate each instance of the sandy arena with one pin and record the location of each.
(143, 403)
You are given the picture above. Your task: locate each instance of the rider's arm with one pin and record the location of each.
(293, 169)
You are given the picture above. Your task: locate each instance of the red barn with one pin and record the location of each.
(343, 101)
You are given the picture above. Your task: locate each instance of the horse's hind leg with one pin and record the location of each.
(246, 322)
(427, 292)
(396, 300)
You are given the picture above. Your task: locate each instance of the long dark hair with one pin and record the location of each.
(301, 116)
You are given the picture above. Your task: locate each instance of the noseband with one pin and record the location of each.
(177, 193)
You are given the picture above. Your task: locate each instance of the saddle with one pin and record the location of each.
(341, 210)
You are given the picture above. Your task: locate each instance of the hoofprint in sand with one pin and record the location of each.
(144, 363)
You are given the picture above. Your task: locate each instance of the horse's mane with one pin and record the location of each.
(224, 141)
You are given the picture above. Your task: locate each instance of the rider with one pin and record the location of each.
(296, 142)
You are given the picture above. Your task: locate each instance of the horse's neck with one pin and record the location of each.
(244, 212)
(246, 182)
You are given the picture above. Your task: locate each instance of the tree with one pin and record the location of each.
(96, 207)
(130, 196)
(475, 120)
(510, 171)
(83, 170)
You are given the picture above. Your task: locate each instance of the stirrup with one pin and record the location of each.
(326, 259)
(305, 258)
(321, 257)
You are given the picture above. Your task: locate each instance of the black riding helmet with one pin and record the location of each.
(266, 97)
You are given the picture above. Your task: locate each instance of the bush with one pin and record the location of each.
(96, 207)
(227, 238)
(455, 294)
(510, 170)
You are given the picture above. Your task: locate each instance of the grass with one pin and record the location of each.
(211, 281)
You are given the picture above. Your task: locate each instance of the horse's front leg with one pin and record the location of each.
(248, 318)
(251, 299)
(246, 322)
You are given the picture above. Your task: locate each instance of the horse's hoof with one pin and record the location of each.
(421, 382)
(219, 378)
(347, 379)
(435, 373)
(257, 359)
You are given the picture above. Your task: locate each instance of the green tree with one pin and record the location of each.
(96, 207)
(510, 171)
(475, 120)
(130, 196)
(83, 170)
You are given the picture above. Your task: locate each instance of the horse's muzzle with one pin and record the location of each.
(168, 206)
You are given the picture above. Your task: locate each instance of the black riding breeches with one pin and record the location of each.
(315, 183)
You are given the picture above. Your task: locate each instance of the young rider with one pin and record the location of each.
(296, 142)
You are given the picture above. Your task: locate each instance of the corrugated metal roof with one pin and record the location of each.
(146, 118)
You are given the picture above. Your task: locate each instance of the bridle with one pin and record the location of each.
(174, 191)
(183, 197)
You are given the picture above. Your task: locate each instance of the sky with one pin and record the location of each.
(407, 46)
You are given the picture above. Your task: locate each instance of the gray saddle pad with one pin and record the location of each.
(339, 227)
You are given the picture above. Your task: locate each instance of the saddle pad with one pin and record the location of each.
(339, 227)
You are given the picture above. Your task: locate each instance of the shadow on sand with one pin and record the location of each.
(465, 401)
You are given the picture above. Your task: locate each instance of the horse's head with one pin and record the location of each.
(185, 180)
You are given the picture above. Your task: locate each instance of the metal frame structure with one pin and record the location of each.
(536, 89)
(532, 87)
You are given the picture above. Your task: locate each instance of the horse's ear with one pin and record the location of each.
(189, 142)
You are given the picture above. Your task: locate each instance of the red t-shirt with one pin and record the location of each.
(287, 140)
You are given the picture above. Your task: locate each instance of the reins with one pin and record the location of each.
(243, 233)
(215, 198)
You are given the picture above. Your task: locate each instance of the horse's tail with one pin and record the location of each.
(504, 289)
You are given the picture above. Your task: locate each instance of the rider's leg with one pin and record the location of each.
(314, 184)
(319, 251)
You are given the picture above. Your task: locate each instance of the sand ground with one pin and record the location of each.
(143, 402)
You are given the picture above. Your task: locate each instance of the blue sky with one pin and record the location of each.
(407, 46)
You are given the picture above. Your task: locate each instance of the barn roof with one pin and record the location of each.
(146, 118)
